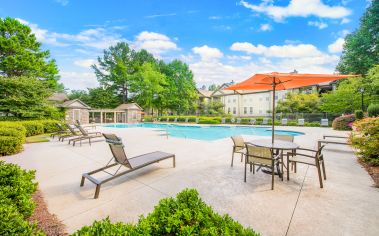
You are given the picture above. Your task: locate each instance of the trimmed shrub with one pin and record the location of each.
(186, 214)
(343, 122)
(10, 145)
(312, 124)
(33, 127)
(210, 120)
(373, 110)
(365, 138)
(358, 114)
(49, 126)
(16, 204)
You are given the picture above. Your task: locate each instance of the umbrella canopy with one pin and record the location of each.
(282, 81)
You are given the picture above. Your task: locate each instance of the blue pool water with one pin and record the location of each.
(211, 132)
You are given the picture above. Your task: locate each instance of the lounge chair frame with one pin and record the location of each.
(117, 174)
(85, 135)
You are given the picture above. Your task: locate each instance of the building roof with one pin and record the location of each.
(76, 103)
(205, 93)
(129, 106)
(58, 97)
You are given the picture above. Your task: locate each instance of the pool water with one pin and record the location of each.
(209, 132)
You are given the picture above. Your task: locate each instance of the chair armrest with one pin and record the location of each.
(299, 154)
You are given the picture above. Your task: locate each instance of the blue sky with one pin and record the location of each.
(220, 40)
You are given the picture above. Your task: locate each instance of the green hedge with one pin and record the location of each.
(343, 122)
(33, 127)
(16, 204)
(186, 214)
(373, 110)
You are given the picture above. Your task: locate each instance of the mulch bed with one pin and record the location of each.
(373, 171)
(46, 221)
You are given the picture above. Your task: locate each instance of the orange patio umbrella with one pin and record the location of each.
(283, 81)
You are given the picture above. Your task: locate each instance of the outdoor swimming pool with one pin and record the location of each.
(206, 132)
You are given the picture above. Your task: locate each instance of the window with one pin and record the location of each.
(251, 110)
(245, 110)
(234, 100)
(251, 99)
(228, 110)
(228, 100)
(234, 110)
(276, 97)
(76, 115)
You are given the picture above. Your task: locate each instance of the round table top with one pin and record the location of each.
(278, 144)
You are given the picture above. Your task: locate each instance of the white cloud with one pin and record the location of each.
(161, 15)
(337, 46)
(283, 51)
(266, 27)
(237, 58)
(318, 24)
(62, 2)
(298, 8)
(155, 43)
(215, 17)
(207, 53)
(345, 21)
(85, 63)
(78, 80)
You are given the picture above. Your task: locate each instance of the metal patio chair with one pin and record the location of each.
(238, 147)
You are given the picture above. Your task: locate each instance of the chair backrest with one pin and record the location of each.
(119, 154)
(186, 120)
(287, 138)
(324, 122)
(261, 155)
(112, 138)
(300, 121)
(223, 121)
(176, 120)
(284, 121)
(238, 120)
(168, 119)
(265, 121)
(60, 127)
(78, 122)
(71, 129)
(252, 121)
(239, 143)
(83, 131)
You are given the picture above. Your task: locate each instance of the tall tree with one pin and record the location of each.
(299, 102)
(21, 54)
(119, 67)
(26, 98)
(361, 49)
(97, 97)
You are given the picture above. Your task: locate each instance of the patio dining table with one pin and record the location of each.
(277, 145)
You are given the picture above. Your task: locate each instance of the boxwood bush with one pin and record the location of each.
(186, 214)
(373, 110)
(343, 122)
(16, 204)
(33, 127)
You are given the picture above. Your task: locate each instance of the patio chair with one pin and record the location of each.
(168, 120)
(238, 121)
(85, 135)
(263, 157)
(287, 138)
(324, 122)
(92, 126)
(253, 121)
(175, 120)
(238, 147)
(61, 131)
(315, 158)
(197, 120)
(186, 120)
(300, 122)
(284, 121)
(223, 121)
(265, 121)
(72, 133)
(120, 159)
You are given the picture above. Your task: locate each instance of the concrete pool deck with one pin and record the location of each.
(347, 205)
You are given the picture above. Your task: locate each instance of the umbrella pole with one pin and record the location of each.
(273, 110)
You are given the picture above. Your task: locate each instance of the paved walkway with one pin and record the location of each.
(347, 205)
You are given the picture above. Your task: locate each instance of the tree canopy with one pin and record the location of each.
(299, 102)
(97, 97)
(361, 49)
(21, 54)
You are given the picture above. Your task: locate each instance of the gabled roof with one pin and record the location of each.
(129, 106)
(76, 103)
(58, 97)
(205, 93)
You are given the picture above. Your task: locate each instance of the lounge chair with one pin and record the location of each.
(238, 121)
(175, 120)
(238, 147)
(284, 121)
(92, 126)
(120, 158)
(300, 122)
(253, 121)
(312, 158)
(72, 133)
(223, 121)
(265, 121)
(344, 140)
(61, 131)
(197, 120)
(263, 157)
(324, 122)
(168, 120)
(85, 135)
(186, 120)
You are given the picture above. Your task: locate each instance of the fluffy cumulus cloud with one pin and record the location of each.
(207, 53)
(337, 46)
(77, 80)
(85, 63)
(266, 27)
(155, 43)
(298, 8)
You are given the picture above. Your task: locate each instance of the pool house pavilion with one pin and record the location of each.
(124, 113)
